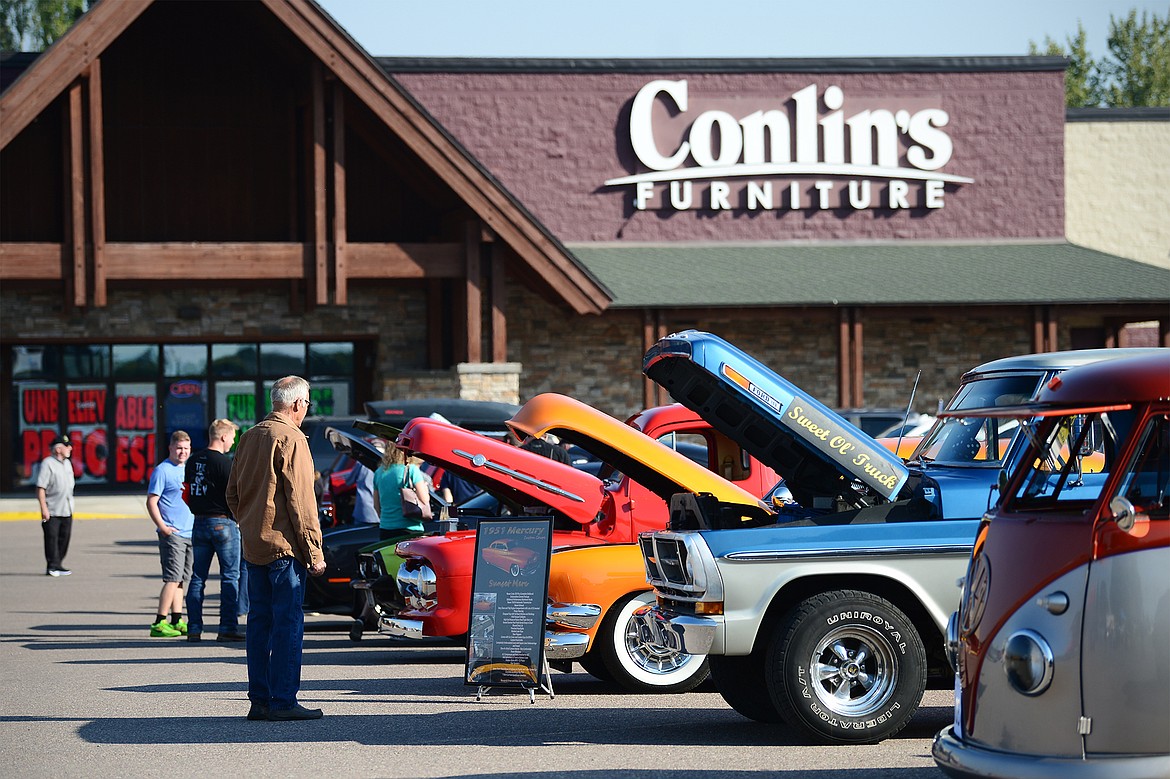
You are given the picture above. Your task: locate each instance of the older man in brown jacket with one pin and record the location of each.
(270, 492)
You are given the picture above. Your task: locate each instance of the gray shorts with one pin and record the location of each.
(177, 558)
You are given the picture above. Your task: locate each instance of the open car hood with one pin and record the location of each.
(350, 443)
(644, 460)
(487, 417)
(819, 454)
(506, 471)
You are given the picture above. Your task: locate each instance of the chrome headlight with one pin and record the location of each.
(418, 586)
(1028, 662)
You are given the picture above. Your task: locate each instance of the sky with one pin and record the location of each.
(717, 28)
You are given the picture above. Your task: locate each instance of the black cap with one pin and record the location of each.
(61, 439)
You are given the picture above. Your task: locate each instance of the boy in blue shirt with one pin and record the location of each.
(173, 521)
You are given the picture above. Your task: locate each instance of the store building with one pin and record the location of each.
(181, 225)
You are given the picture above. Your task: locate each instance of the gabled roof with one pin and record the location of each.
(874, 274)
(71, 55)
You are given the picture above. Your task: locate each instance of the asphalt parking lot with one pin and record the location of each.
(86, 692)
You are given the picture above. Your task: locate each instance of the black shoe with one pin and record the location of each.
(296, 712)
(194, 638)
(258, 712)
(231, 637)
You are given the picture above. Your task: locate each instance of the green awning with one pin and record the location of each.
(789, 274)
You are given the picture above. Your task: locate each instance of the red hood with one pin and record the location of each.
(507, 471)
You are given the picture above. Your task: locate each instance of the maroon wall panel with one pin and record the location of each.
(554, 139)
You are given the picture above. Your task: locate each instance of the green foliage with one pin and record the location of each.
(1140, 70)
(32, 25)
(1136, 72)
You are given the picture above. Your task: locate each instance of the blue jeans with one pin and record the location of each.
(276, 630)
(217, 536)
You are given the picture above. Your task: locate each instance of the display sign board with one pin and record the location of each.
(505, 640)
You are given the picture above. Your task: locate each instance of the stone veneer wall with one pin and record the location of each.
(598, 359)
(1117, 188)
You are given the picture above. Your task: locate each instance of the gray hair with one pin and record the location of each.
(288, 390)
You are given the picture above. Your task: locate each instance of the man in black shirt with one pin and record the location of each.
(215, 533)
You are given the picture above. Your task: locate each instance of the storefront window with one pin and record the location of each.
(236, 400)
(31, 362)
(233, 360)
(120, 403)
(282, 359)
(86, 362)
(134, 422)
(184, 360)
(331, 359)
(135, 361)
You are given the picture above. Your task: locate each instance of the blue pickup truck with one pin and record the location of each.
(831, 619)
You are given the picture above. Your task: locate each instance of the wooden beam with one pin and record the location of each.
(77, 196)
(97, 182)
(405, 260)
(63, 63)
(205, 261)
(320, 243)
(474, 294)
(340, 265)
(499, 301)
(844, 364)
(399, 112)
(31, 261)
(649, 338)
(857, 357)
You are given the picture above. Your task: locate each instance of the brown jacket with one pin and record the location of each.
(270, 493)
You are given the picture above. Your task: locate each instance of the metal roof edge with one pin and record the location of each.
(720, 65)
(1130, 114)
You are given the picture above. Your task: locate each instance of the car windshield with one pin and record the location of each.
(978, 441)
(1071, 458)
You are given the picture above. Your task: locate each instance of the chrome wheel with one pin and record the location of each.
(854, 669)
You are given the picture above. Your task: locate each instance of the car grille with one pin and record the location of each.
(665, 559)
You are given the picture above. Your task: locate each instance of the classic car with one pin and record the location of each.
(509, 556)
(596, 577)
(830, 620)
(1060, 641)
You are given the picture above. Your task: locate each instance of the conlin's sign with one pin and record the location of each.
(767, 160)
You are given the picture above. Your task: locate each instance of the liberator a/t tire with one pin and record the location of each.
(847, 667)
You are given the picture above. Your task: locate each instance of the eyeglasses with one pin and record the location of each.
(308, 404)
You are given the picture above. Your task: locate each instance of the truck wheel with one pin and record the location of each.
(638, 664)
(740, 680)
(847, 667)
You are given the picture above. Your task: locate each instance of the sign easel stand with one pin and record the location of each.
(545, 685)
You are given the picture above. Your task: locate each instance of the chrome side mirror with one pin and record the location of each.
(1124, 514)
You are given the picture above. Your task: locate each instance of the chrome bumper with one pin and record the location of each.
(564, 646)
(689, 635)
(967, 761)
(403, 628)
(582, 616)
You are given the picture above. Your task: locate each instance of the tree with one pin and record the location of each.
(32, 25)
(1140, 70)
(1083, 78)
(1136, 72)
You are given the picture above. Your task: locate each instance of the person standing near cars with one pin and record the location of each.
(173, 521)
(55, 496)
(394, 475)
(214, 533)
(270, 492)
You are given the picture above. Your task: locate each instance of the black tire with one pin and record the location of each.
(740, 681)
(638, 664)
(356, 629)
(846, 667)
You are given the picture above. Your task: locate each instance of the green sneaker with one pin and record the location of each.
(163, 629)
(180, 626)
